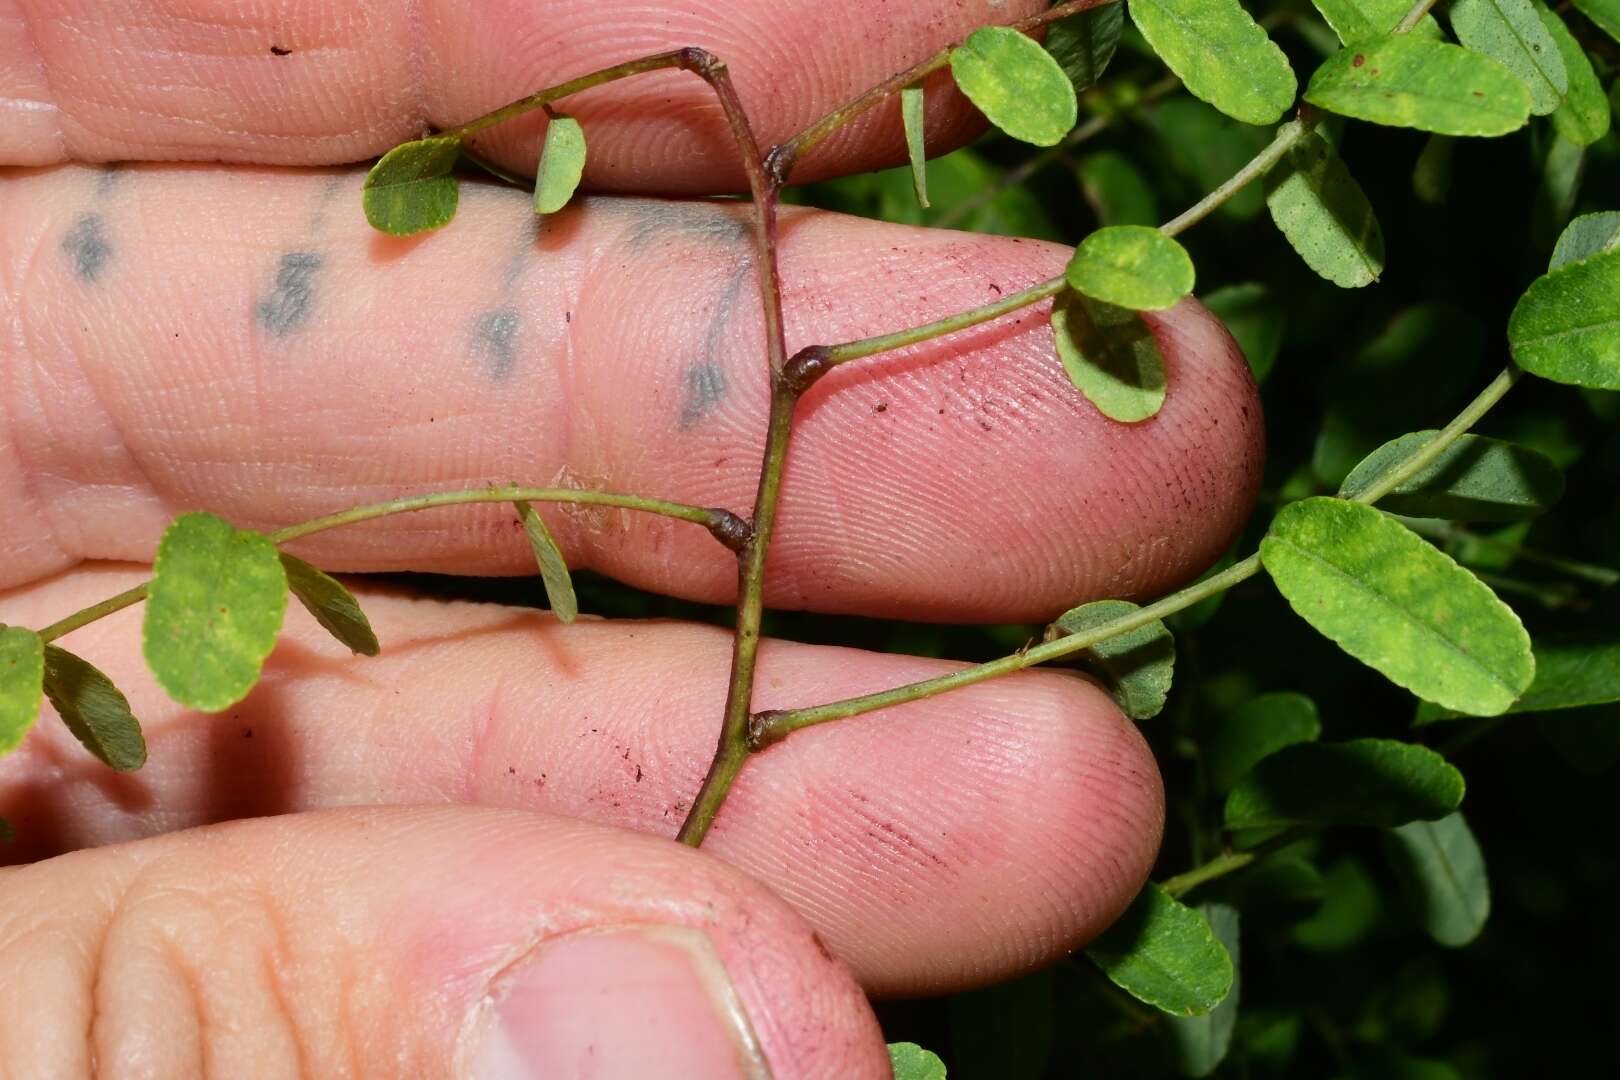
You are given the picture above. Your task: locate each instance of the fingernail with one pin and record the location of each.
(630, 1001)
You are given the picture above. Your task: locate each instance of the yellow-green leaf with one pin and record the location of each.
(333, 606)
(1322, 211)
(1016, 84)
(1398, 604)
(217, 598)
(1356, 21)
(553, 567)
(1133, 266)
(1110, 356)
(911, 118)
(1566, 326)
(94, 709)
(1164, 953)
(1584, 117)
(1222, 55)
(22, 673)
(562, 163)
(1511, 33)
(1403, 81)
(413, 188)
(911, 1062)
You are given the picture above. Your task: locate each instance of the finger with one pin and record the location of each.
(208, 338)
(939, 844)
(416, 942)
(320, 83)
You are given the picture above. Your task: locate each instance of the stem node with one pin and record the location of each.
(730, 529)
(803, 368)
(761, 734)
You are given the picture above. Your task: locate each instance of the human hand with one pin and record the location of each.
(233, 337)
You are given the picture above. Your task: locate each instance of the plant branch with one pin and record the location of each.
(785, 155)
(1232, 861)
(725, 526)
(1412, 17)
(1288, 136)
(856, 350)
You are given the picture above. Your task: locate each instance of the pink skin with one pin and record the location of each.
(939, 844)
(963, 479)
(115, 80)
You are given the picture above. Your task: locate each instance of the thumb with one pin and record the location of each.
(416, 942)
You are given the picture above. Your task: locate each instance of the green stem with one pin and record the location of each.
(772, 727)
(784, 156)
(542, 98)
(1288, 136)
(1412, 17)
(1232, 861)
(1449, 434)
(725, 526)
(856, 350)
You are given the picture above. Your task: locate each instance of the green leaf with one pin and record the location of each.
(217, 598)
(333, 606)
(1584, 117)
(1016, 84)
(1110, 355)
(1587, 235)
(1356, 21)
(1473, 479)
(1351, 907)
(1403, 81)
(1133, 266)
(1398, 604)
(911, 117)
(1255, 318)
(1255, 730)
(22, 671)
(1557, 186)
(553, 567)
(1199, 1043)
(1443, 870)
(1164, 953)
(1511, 33)
(1221, 54)
(413, 188)
(1138, 665)
(1083, 43)
(94, 709)
(1571, 673)
(1116, 189)
(1566, 326)
(1431, 173)
(562, 163)
(1605, 13)
(911, 1062)
(1322, 211)
(1378, 782)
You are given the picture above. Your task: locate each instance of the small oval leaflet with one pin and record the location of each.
(1322, 211)
(1164, 953)
(1511, 33)
(215, 607)
(22, 674)
(1443, 871)
(94, 709)
(911, 1062)
(1378, 782)
(1398, 604)
(1110, 356)
(413, 188)
(1222, 55)
(911, 118)
(1016, 84)
(553, 567)
(1584, 117)
(1566, 326)
(1587, 235)
(1356, 21)
(562, 163)
(1132, 266)
(1138, 665)
(333, 606)
(1473, 479)
(1200, 1043)
(1403, 81)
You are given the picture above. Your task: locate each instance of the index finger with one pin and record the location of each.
(314, 82)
